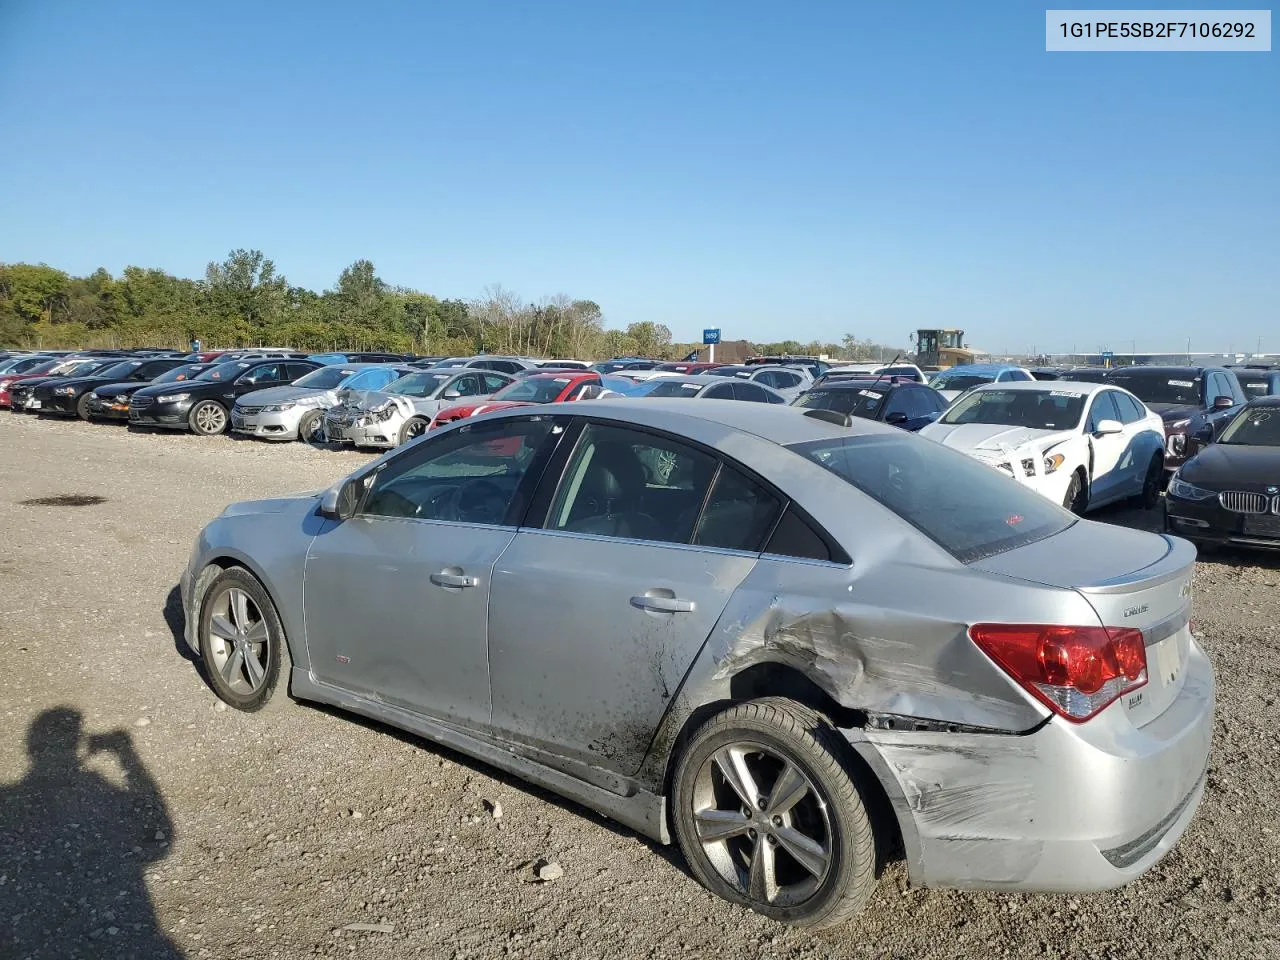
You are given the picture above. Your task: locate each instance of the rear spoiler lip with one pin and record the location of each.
(1177, 562)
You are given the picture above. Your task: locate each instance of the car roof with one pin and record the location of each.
(1161, 371)
(865, 383)
(1048, 386)
(778, 423)
(701, 378)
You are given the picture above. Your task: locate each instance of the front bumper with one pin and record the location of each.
(108, 409)
(23, 401)
(1065, 808)
(171, 416)
(384, 434)
(1207, 521)
(268, 426)
(57, 404)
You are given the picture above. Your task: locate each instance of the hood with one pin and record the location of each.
(37, 381)
(83, 381)
(1236, 465)
(286, 394)
(108, 390)
(991, 438)
(1171, 412)
(248, 508)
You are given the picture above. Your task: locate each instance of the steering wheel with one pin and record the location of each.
(480, 501)
(442, 505)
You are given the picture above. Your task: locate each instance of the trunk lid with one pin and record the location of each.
(1133, 580)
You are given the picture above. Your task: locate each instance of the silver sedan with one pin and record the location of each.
(747, 628)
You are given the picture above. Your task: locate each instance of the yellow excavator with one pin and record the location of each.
(940, 349)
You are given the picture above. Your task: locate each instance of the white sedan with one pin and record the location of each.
(1079, 444)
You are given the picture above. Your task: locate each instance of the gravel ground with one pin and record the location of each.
(139, 819)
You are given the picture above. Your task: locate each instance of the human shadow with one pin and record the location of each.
(75, 847)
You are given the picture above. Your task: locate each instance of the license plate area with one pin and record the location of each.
(1262, 526)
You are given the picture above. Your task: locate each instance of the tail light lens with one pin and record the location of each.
(1075, 671)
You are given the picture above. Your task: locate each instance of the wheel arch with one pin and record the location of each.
(776, 679)
(226, 560)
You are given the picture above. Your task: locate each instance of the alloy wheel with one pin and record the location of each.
(239, 641)
(211, 418)
(764, 826)
(415, 428)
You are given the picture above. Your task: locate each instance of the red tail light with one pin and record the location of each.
(1075, 671)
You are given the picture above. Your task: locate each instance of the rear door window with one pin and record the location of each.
(492, 384)
(745, 390)
(723, 391)
(738, 514)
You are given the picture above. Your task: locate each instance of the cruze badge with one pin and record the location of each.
(1134, 611)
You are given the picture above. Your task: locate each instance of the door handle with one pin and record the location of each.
(443, 579)
(663, 604)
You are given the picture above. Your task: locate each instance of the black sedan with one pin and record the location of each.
(892, 400)
(1229, 492)
(111, 401)
(22, 393)
(71, 397)
(203, 405)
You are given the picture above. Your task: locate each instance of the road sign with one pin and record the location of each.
(711, 335)
(1107, 357)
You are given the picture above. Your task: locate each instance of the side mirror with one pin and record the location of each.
(452, 393)
(1222, 403)
(896, 418)
(339, 502)
(1108, 427)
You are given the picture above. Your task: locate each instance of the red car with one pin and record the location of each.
(537, 388)
(47, 369)
(687, 366)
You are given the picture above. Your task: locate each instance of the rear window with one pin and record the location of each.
(858, 403)
(969, 509)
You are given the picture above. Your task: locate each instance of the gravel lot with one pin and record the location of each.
(168, 827)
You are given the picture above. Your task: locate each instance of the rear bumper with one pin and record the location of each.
(1065, 808)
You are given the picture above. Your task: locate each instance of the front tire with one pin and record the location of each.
(311, 427)
(768, 815)
(208, 418)
(1149, 498)
(242, 641)
(1077, 498)
(82, 406)
(412, 429)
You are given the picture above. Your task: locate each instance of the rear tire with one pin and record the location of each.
(803, 851)
(208, 418)
(242, 642)
(412, 429)
(1077, 498)
(82, 406)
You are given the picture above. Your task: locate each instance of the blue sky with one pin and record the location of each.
(804, 169)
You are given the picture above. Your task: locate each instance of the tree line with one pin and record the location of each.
(244, 301)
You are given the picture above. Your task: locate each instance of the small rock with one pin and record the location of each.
(357, 815)
(159, 835)
(547, 871)
(142, 722)
(220, 707)
(495, 809)
(112, 931)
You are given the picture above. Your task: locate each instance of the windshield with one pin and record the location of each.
(1161, 386)
(226, 371)
(326, 378)
(858, 403)
(184, 372)
(120, 369)
(667, 387)
(1034, 409)
(417, 384)
(1255, 388)
(534, 389)
(45, 367)
(960, 381)
(1254, 426)
(969, 509)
